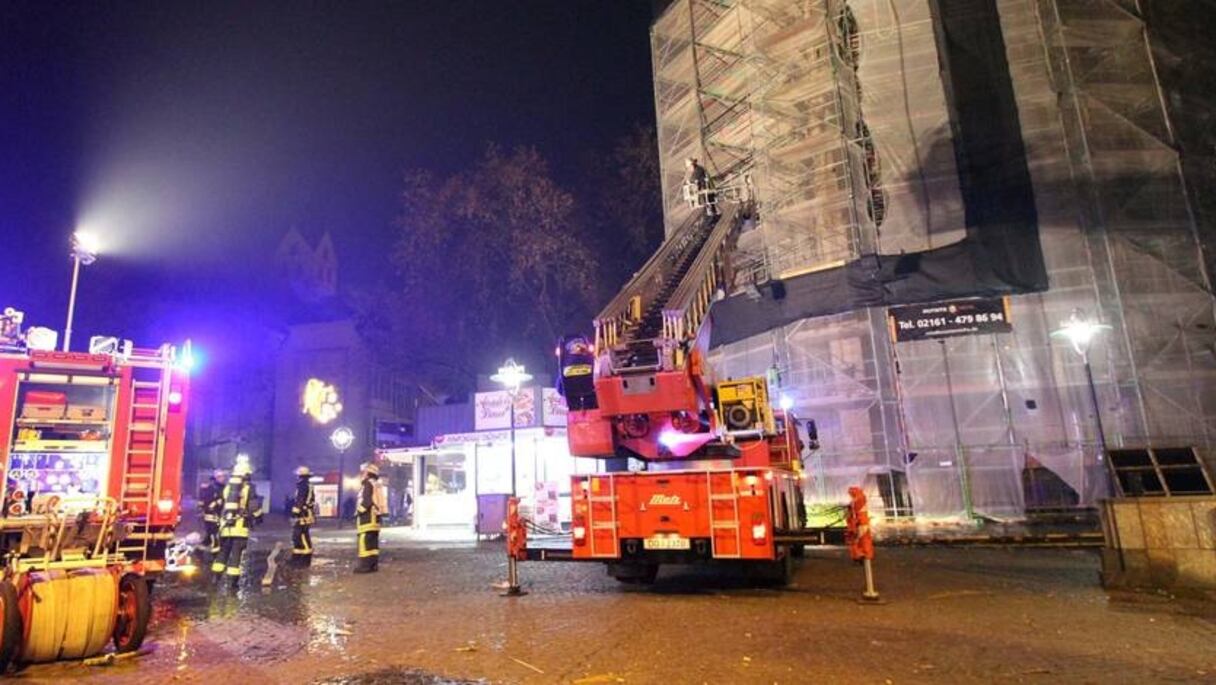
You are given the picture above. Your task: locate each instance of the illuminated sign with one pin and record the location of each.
(321, 401)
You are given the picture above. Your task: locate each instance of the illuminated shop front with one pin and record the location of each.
(447, 478)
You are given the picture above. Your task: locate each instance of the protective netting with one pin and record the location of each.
(839, 115)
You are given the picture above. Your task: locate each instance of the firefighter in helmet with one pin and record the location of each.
(240, 504)
(211, 503)
(302, 518)
(367, 515)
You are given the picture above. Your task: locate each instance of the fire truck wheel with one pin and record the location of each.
(134, 611)
(10, 623)
(779, 573)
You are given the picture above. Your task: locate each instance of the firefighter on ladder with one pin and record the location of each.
(302, 518)
(367, 515)
(235, 522)
(211, 503)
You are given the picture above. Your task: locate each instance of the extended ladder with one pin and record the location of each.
(717, 500)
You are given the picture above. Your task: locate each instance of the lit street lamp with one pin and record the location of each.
(512, 376)
(342, 438)
(1080, 332)
(84, 252)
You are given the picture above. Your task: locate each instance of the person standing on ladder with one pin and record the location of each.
(211, 503)
(367, 515)
(302, 518)
(235, 522)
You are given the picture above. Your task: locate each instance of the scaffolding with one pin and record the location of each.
(837, 111)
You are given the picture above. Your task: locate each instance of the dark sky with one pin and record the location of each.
(191, 135)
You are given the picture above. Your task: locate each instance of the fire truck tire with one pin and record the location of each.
(779, 573)
(10, 623)
(134, 612)
(634, 574)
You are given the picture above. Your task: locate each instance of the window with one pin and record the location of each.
(1159, 472)
(445, 474)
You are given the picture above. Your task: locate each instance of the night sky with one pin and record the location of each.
(191, 135)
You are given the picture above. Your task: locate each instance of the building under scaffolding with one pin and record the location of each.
(910, 151)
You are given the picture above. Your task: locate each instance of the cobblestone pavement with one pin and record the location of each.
(430, 616)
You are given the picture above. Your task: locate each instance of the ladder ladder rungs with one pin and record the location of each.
(146, 384)
(145, 406)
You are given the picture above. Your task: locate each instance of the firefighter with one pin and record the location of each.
(697, 187)
(367, 515)
(302, 518)
(211, 503)
(235, 521)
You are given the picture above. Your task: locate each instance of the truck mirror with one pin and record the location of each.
(812, 434)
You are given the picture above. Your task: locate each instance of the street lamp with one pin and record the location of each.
(342, 438)
(512, 376)
(84, 252)
(1080, 331)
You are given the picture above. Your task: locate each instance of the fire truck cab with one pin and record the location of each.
(91, 458)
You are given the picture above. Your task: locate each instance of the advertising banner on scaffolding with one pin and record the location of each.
(947, 319)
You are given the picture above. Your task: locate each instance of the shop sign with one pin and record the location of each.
(492, 410)
(948, 319)
(553, 408)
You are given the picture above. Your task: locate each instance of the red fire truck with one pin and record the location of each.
(722, 466)
(92, 461)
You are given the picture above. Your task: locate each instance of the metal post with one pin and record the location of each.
(513, 493)
(513, 588)
(1111, 486)
(959, 452)
(341, 487)
(1093, 396)
(870, 594)
(67, 329)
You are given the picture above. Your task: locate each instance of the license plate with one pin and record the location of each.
(665, 542)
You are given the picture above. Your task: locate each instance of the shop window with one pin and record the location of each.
(445, 474)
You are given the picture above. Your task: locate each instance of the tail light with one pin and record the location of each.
(759, 530)
(579, 531)
(164, 506)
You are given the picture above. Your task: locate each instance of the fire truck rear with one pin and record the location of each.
(91, 494)
(721, 468)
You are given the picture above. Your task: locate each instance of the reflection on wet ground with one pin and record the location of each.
(395, 676)
(430, 617)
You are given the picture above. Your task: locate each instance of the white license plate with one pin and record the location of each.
(665, 542)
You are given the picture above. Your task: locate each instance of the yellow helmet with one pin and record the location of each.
(303, 471)
(241, 468)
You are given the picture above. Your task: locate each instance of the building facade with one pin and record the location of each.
(911, 152)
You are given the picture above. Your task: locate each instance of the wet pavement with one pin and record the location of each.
(431, 616)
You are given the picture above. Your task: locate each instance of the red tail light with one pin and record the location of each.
(579, 530)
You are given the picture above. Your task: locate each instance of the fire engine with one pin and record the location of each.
(723, 466)
(91, 494)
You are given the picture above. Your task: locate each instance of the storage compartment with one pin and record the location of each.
(44, 404)
(86, 412)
